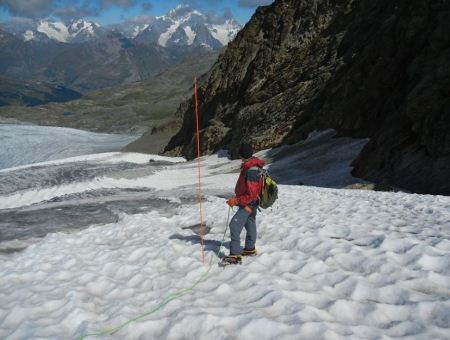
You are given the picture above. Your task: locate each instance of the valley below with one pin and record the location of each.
(143, 108)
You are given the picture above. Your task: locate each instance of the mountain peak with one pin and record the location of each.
(185, 26)
(180, 11)
(82, 28)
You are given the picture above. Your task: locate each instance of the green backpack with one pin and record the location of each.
(269, 193)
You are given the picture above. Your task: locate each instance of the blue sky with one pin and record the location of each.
(113, 11)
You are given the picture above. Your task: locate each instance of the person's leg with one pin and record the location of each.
(237, 223)
(250, 227)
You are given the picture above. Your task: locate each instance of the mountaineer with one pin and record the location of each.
(248, 189)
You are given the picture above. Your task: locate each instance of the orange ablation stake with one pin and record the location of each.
(198, 171)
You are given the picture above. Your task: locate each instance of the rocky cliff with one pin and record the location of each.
(377, 69)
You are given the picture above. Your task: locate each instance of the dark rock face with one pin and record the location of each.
(377, 69)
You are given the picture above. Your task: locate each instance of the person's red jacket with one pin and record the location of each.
(249, 184)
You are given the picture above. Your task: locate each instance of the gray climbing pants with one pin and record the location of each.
(243, 219)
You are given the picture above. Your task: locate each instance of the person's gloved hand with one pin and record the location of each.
(233, 201)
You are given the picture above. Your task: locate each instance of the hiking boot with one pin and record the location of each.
(249, 252)
(232, 259)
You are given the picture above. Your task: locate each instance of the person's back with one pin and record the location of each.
(249, 184)
(247, 191)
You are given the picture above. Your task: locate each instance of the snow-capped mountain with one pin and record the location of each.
(181, 26)
(86, 55)
(185, 26)
(82, 30)
(75, 31)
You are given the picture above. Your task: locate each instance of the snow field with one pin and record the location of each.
(334, 264)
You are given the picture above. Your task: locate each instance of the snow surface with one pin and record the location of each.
(333, 263)
(26, 144)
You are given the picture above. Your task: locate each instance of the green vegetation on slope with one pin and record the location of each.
(31, 93)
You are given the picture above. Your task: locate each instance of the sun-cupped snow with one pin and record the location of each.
(332, 263)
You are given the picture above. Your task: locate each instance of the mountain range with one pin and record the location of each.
(84, 56)
(75, 31)
(181, 26)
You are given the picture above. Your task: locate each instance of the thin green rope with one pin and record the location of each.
(169, 298)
